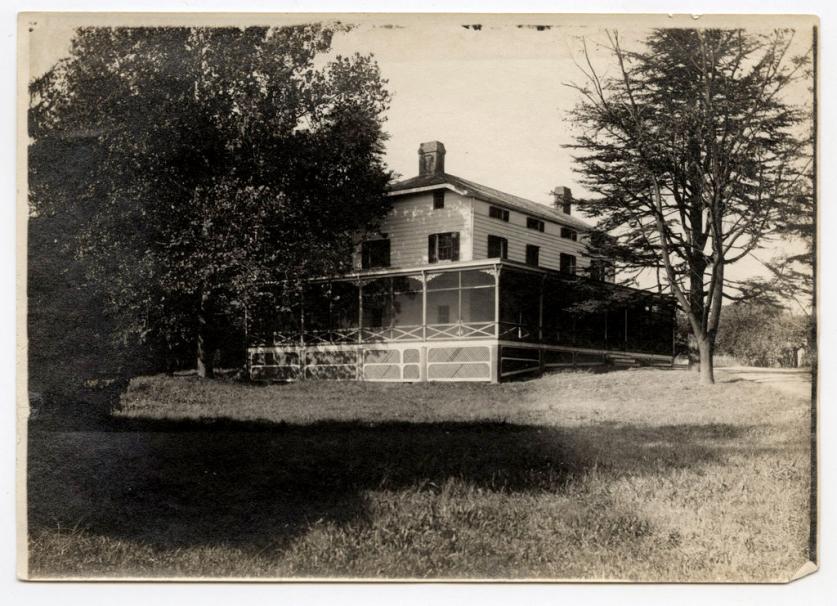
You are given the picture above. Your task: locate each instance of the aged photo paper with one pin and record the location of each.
(430, 297)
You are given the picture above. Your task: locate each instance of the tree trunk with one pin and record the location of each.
(707, 370)
(205, 349)
(694, 353)
(697, 305)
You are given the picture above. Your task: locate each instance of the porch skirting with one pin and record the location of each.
(487, 360)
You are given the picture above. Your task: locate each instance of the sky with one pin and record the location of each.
(497, 96)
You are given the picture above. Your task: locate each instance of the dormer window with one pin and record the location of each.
(438, 199)
(495, 212)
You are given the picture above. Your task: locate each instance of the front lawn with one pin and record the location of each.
(638, 474)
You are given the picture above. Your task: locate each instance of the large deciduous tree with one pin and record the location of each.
(191, 163)
(691, 147)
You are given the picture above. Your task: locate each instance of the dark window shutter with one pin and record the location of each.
(386, 253)
(454, 244)
(431, 248)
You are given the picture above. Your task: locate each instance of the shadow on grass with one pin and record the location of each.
(257, 485)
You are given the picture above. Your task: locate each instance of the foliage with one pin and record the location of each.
(761, 335)
(692, 153)
(190, 164)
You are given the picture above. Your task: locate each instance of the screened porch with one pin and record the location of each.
(499, 301)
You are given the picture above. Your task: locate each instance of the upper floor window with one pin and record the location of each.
(438, 199)
(601, 270)
(532, 254)
(498, 247)
(533, 223)
(374, 253)
(443, 247)
(495, 212)
(569, 233)
(568, 263)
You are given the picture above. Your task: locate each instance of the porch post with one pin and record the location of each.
(424, 305)
(626, 328)
(360, 311)
(497, 301)
(540, 309)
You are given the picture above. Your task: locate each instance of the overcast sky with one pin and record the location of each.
(495, 96)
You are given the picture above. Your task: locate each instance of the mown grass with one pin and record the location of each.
(639, 475)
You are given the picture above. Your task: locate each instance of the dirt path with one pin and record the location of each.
(793, 381)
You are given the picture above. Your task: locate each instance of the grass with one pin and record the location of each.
(639, 475)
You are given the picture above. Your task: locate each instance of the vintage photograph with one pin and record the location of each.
(417, 297)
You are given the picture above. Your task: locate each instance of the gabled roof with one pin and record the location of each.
(489, 194)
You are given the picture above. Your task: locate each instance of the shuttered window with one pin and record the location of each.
(443, 247)
(569, 233)
(498, 247)
(567, 263)
(533, 254)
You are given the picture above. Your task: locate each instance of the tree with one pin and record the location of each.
(204, 161)
(689, 151)
(761, 335)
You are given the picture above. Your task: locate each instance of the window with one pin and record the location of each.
(443, 247)
(438, 199)
(375, 253)
(601, 270)
(495, 212)
(532, 254)
(569, 233)
(567, 263)
(532, 223)
(498, 247)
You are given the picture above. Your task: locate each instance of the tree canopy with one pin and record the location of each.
(190, 164)
(692, 151)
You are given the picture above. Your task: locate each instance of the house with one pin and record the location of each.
(462, 282)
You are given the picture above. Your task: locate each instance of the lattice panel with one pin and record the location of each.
(331, 357)
(508, 365)
(558, 357)
(459, 354)
(459, 371)
(273, 358)
(274, 373)
(381, 356)
(380, 372)
(520, 353)
(337, 372)
(586, 358)
(411, 372)
(411, 356)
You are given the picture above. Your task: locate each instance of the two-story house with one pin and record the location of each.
(462, 282)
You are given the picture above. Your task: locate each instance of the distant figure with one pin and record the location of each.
(801, 356)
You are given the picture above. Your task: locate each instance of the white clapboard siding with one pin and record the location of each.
(518, 235)
(412, 219)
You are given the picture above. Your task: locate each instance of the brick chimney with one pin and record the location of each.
(563, 199)
(431, 158)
